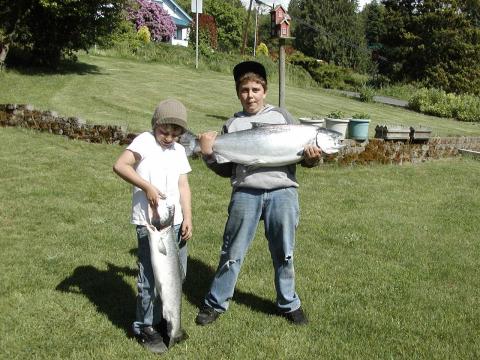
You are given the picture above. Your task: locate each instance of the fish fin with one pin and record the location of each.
(256, 125)
(220, 159)
(161, 247)
(257, 163)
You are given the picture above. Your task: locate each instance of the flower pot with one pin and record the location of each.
(338, 125)
(310, 121)
(358, 129)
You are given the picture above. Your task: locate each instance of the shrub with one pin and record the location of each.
(152, 15)
(366, 94)
(143, 34)
(439, 103)
(327, 75)
(262, 49)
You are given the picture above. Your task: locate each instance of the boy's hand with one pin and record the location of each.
(206, 141)
(153, 194)
(186, 229)
(312, 154)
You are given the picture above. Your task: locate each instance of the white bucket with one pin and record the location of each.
(339, 125)
(310, 121)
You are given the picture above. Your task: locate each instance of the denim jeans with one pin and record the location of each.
(280, 212)
(149, 308)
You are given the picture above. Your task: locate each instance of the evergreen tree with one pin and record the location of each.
(433, 41)
(373, 14)
(330, 30)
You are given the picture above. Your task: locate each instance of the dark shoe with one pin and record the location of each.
(296, 317)
(207, 315)
(151, 340)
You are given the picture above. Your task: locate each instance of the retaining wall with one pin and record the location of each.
(354, 152)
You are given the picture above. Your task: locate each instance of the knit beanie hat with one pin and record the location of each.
(170, 111)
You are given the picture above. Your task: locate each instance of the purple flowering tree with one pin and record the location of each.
(151, 14)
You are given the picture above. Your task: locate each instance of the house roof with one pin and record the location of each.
(180, 17)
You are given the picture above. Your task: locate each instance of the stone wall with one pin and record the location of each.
(398, 152)
(354, 152)
(73, 127)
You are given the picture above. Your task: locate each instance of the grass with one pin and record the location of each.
(107, 90)
(386, 259)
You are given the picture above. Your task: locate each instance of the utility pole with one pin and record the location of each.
(246, 28)
(196, 8)
(281, 73)
(255, 35)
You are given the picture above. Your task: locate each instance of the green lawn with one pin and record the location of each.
(106, 90)
(387, 256)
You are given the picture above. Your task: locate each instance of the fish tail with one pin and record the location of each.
(190, 142)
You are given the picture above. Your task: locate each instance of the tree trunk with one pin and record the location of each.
(3, 54)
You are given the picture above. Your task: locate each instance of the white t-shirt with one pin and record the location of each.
(161, 167)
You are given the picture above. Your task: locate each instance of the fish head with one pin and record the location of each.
(329, 141)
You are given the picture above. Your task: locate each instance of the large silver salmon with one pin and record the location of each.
(273, 145)
(167, 271)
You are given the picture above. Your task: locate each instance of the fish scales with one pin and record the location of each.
(273, 145)
(168, 273)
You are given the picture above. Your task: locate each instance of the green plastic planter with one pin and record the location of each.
(358, 129)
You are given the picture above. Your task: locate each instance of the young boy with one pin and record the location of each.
(156, 165)
(258, 193)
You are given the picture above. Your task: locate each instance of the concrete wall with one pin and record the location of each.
(370, 151)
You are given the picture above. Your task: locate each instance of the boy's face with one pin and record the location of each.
(252, 96)
(166, 134)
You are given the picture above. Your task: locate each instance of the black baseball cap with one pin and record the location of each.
(249, 66)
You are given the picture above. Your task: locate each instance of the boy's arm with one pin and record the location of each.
(124, 167)
(186, 204)
(206, 146)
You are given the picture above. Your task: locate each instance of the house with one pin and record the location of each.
(280, 22)
(181, 19)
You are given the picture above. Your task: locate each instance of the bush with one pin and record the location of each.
(152, 15)
(143, 34)
(327, 75)
(367, 94)
(262, 49)
(439, 103)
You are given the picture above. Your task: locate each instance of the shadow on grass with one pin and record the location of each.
(115, 298)
(223, 118)
(66, 67)
(197, 284)
(107, 290)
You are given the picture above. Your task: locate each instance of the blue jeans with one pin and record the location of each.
(149, 308)
(280, 212)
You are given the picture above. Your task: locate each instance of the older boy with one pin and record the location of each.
(156, 165)
(269, 194)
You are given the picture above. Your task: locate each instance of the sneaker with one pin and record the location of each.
(296, 317)
(151, 340)
(206, 315)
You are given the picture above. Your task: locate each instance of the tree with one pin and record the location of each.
(229, 18)
(152, 15)
(207, 33)
(373, 14)
(50, 30)
(436, 42)
(330, 30)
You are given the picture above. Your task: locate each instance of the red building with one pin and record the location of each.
(280, 22)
